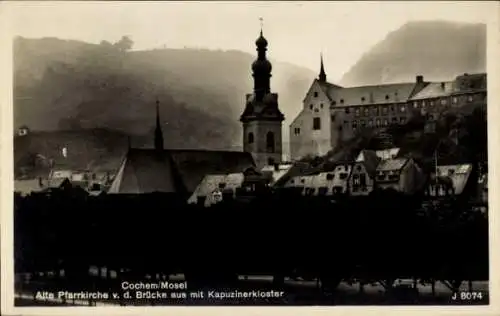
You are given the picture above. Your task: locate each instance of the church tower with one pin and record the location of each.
(262, 118)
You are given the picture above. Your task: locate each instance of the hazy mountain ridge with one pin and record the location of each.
(66, 84)
(438, 50)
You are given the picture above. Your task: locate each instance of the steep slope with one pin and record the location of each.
(68, 85)
(98, 149)
(437, 50)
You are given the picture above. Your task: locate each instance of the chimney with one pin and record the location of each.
(442, 85)
(420, 79)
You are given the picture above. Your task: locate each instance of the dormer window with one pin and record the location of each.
(387, 97)
(341, 101)
(315, 94)
(362, 99)
(321, 105)
(310, 106)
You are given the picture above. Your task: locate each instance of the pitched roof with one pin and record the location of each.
(211, 183)
(435, 90)
(388, 153)
(376, 94)
(298, 168)
(327, 180)
(369, 159)
(458, 174)
(392, 164)
(180, 171)
(276, 172)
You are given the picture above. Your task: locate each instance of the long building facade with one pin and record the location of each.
(332, 114)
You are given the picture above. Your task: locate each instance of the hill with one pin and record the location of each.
(437, 50)
(37, 152)
(72, 85)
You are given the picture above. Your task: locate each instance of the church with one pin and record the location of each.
(332, 114)
(180, 171)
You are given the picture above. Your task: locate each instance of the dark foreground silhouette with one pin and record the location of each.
(378, 239)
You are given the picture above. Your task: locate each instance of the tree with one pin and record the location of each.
(106, 44)
(124, 44)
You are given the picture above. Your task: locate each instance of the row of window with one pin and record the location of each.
(376, 123)
(375, 110)
(321, 105)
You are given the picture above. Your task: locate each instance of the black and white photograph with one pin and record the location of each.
(248, 154)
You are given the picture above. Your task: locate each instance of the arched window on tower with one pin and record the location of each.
(270, 142)
(250, 138)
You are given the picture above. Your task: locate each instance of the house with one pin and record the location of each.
(245, 185)
(450, 180)
(214, 187)
(362, 178)
(280, 174)
(330, 183)
(400, 174)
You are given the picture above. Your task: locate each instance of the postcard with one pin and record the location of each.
(324, 155)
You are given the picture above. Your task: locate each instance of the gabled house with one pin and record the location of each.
(245, 185)
(400, 174)
(450, 180)
(362, 179)
(335, 182)
(214, 187)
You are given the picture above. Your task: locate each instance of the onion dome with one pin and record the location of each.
(262, 66)
(261, 41)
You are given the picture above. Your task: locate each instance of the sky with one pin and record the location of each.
(297, 31)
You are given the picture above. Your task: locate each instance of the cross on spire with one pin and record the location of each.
(261, 24)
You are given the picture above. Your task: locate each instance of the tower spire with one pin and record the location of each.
(322, 74)
(158, 131)
(261, 25)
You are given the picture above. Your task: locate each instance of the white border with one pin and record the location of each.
(6, 222)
